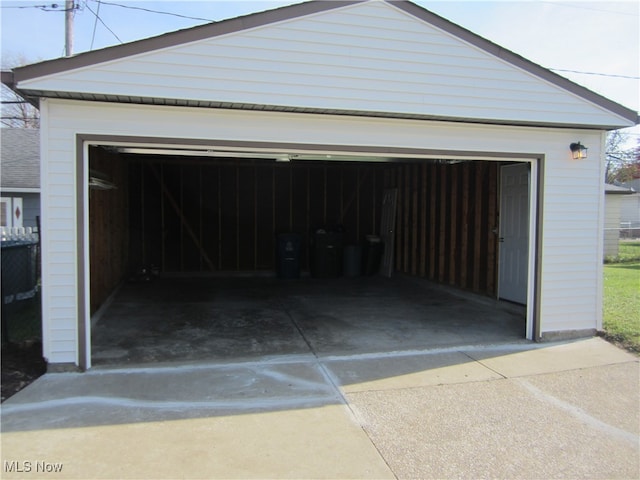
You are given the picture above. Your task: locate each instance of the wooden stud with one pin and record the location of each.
(443, 223)
(200, 209)
(453, 216)
(273, 200)
(358, 180)
(255, 218)
(477, 226)
(374, 199)
(432, 222)
(414, 226)
(162, 225)
(464, 234)
(181, 208)
(142, 216)
(395, 181)
(273, 212)
(491, 230)
(407, 212)
(342, 210)
(399, 219)
(324, 196)
(423, 219)
(308, 190)
(290, 198)
(237, 218)
(219, 215)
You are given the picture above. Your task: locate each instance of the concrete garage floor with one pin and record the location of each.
(173, 319)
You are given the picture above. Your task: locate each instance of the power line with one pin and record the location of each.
(156, 11)
(102, 22)
(95, 23)
(54, 7)
(596, 73)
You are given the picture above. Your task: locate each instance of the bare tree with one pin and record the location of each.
(623, 161)
(17, 112)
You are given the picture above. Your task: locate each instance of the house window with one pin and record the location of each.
(11, 212)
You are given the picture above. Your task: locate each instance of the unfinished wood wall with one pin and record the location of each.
(189, 216)
(108, 227)
(446, 222)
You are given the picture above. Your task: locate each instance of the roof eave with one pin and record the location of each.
(8, 79)
(310, 110)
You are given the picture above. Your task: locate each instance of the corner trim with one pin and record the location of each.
(84, 360)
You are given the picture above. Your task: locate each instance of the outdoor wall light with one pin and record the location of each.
(578, 151)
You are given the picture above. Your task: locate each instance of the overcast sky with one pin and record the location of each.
(582, 36)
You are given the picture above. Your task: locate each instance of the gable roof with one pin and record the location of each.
(617, 189)
(20, 158)
(28, 80)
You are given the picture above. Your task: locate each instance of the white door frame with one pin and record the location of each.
(83, 142)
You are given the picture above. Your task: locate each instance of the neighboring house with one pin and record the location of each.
(634, 184)
(630, 211)
(219, 136)
(20, 177)
(614, 197)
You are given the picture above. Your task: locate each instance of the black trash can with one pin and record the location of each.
(288, 255)
(352, 264)
(372, 255)
(326, 254)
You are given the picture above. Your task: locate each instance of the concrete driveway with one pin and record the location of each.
(565, 410)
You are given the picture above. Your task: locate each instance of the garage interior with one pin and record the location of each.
(184, 254)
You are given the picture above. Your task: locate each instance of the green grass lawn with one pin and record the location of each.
(622, 297)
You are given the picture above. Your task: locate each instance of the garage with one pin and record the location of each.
(187, 154)
(185, 225)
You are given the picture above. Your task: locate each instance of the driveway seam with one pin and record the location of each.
(479, 362)
(355, 415)
(579, 414)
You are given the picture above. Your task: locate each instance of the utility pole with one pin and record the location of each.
(69, 13)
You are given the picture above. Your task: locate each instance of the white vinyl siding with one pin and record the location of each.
(368, 57)
(572, 221)
(58, 208)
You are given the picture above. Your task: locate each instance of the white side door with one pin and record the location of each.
(514, 232)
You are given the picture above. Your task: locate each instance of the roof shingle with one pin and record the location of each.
(20, 158)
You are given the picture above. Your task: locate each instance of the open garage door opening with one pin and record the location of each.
(193, 243)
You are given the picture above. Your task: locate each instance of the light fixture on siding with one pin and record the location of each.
(578, 151)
